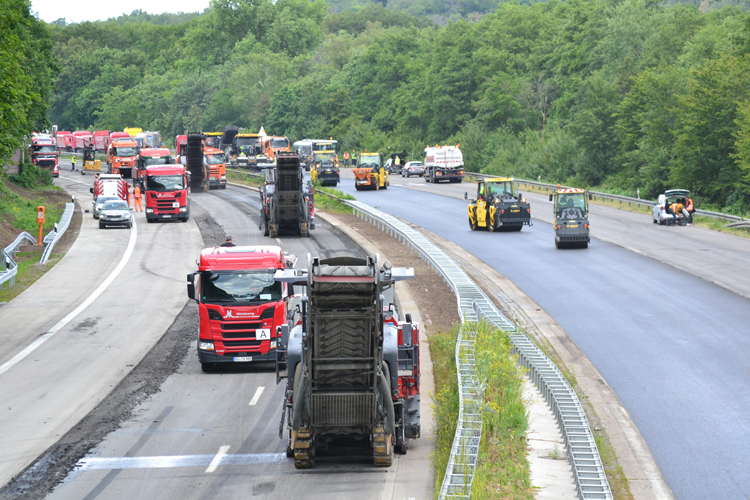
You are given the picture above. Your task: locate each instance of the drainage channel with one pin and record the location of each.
(473, 305)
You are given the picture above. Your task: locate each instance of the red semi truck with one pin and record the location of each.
(44, 153)
(62, 139)
(166, 193)
(240, 304)
(101, 140)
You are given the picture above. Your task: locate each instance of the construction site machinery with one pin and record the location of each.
(215, 160)
(443, 163)
(304, 150)
(272, 145)
(194, 162)
(571, 218)
(166, 193)
(122, 157)
(44, 153)
(289, 207)
(370, 174)
(499, 206)
(213, 139)
(90, 163)
(245, 151)
(346, 362)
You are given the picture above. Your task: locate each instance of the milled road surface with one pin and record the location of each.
(50, 390)
(673, 346)
(216, 435)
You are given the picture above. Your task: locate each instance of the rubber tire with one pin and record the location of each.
(472, 225)
(491, 226)
(654, 221)
(102, 225)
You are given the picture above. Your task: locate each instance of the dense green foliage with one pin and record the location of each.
(625, 95)
(27, 71)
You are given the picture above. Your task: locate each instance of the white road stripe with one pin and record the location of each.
(217, 459)
(257, 396)
(67, 319)
(73, 180)
(176, 461)
(278, 240)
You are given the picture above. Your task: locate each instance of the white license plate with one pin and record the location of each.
(263, 333)
(166, 216)
(242, 359)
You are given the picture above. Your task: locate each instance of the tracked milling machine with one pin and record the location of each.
(289, 206)
(196, 168)
(352, 368)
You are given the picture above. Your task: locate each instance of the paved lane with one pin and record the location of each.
(673, 346)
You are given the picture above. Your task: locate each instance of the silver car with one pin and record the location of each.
(412, 168)
(98, 203)
(115, 213)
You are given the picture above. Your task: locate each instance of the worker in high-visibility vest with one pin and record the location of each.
(73, 164)
(137, 198)
(354, 158)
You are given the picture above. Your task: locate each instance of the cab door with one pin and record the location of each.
(481, 205)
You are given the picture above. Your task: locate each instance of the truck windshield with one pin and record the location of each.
(213, 141)
(502, 189)
(571, 205)
(369, 160)
(239, 287)
(321, 157)
(45, 149)
(159, 160)
(216, 159)
(325, 146)
(246, 141)
(124, 151)
(161, 183)
(280, 143)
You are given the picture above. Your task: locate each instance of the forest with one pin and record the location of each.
(628, 96)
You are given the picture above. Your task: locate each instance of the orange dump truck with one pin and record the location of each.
(215, 167)
(122, 157)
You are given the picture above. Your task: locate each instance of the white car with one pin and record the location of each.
(662, 213)
(412, 168)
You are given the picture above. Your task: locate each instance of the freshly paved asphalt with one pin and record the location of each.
(675, 347)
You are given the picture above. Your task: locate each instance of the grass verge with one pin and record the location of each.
(29, 270)
(245, 178)
(502, 468)
(445, 402)
(331, 205)
(719, 225)
(19, 210)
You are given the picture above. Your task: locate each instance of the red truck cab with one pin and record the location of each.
(44, 154)
(82, 139)
(148, 157)
(240, 304)
(165, 193)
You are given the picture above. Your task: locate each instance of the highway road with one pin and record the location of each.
(674, 346)
(172, 449)
(133, 281)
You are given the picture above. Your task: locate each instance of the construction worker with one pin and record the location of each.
(354, 159)
(689, 208)
(346, 159)
(676, 208)
(73, 164)
(229, 242)
(397, 161)
(137, 198)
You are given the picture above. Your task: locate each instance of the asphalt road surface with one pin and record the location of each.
(674, 346)
(216, 435)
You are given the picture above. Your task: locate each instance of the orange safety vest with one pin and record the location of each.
(137, 193)
(676, 207)
(689, 206)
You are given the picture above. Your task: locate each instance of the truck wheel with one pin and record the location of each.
(426, 178)
(557, 245)
(472, 225)
(491, 225)
(356, 186)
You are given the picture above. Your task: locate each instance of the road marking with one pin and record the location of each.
(217, 459)
(67, 319)
(257, 396)
(176, 461)
(73, 180)
(278, 240)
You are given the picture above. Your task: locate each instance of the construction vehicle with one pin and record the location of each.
(289, 207)
(194, 161)
(571, 218)
(122, 157)
(148, 139)
(44, 153)
(244, 151)
(352, 369)
(240, 304)
(133, 131)
(325, 145)
(271, 145)
(101, 140)
(304, 150)
(326, 173)
(82, 139)
(370, 174)
(443, 163)
(215, 168)
(499, 206)
(149, 157)
(213, 139)
(165, 189)
(90, 163)
(62, 139)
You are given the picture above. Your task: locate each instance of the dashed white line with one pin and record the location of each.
(60, 324)
(217, 459)
(257, 396)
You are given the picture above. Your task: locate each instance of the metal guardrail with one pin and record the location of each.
(54, 236)
(7, 259)
(473, 303)
(615, 197)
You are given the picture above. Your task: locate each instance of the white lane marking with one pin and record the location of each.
(257, 396)
(217, 459)
(278, 240)
(73, 180)
(60, 324)
(175, 461)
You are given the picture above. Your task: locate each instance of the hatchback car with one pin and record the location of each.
(97, 204)
(412, 168)
(663, 213)
(115, 213)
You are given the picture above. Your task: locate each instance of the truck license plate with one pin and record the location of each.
(572, 225)
(515, 209)
(166, 216)
(242, 359)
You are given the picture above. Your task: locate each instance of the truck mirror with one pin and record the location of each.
(550, 197)
(406, 335)
(91, 190)
(282, 335)
(466, 195)
(191, 285)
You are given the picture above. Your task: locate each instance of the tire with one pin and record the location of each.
(472, 225)
(377, 186)
(356, 186)
(654, 221)
(130, 225)
(557, 245)
(585, 244)
(491, 225)
(516, 228)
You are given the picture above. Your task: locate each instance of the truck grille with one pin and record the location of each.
(241, 326)
(342, 409)
(213, 171)
(253, 344)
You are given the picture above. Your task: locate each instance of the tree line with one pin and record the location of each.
(630, 96)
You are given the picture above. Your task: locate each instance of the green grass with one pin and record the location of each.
(245, 178)
(331, 205)
(20, 212)
(502, 468)
(719, 225)
(29, 270)
(445, 401)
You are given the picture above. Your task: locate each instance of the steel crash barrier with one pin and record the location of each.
(473, 305)
(8, 266)
(612, 197)
(54, 236)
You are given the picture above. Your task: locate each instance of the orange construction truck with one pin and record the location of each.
(272, 144)
(215, 162)
(122, 157)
